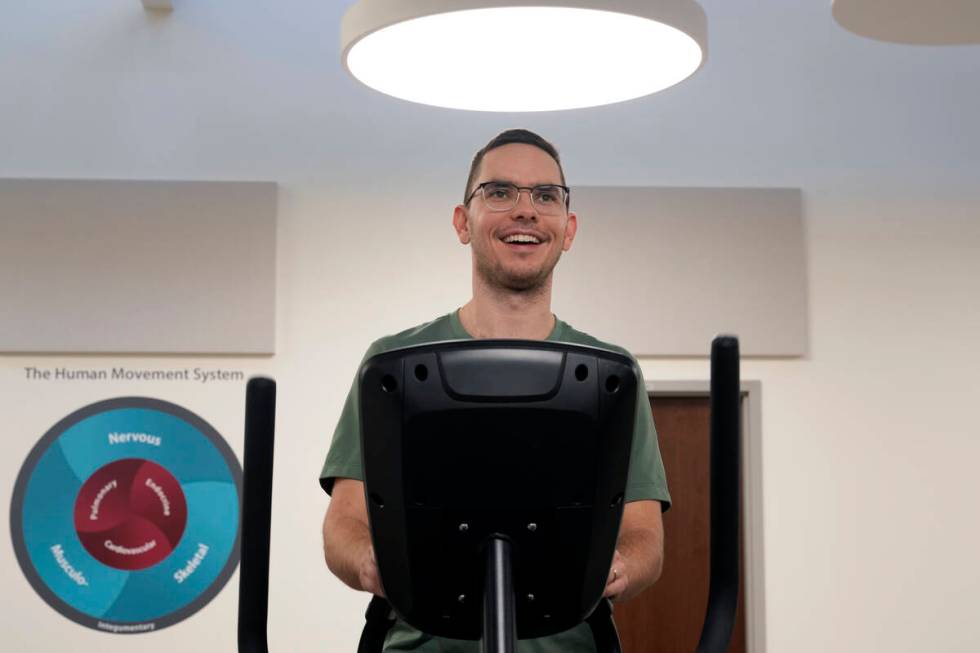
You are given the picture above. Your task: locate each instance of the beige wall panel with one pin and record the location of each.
(661, 271)
(137, 266)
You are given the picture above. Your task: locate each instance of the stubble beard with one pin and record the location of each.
(528, 282)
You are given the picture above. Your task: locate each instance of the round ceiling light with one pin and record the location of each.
(916, 22)
(543, 55)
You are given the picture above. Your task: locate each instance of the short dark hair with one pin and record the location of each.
(506, 138)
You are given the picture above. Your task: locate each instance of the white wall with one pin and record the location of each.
(868, 444)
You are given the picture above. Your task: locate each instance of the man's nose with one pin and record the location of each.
(525, 205)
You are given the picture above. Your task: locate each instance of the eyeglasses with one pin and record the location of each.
(548, 199)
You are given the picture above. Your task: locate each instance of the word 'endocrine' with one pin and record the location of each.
(160, 494)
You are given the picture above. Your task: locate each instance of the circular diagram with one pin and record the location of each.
(130, 514)
(125, 515)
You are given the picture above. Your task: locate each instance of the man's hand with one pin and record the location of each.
(618, 580)
(367, 573)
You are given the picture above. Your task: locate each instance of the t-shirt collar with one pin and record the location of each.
(460, 333)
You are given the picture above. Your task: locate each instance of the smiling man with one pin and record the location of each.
(516, 220)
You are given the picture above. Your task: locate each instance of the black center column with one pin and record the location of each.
(499, 625)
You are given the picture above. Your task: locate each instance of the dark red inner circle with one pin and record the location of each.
(130, 514)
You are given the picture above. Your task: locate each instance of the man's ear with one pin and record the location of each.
(570, 228)
(461, 223)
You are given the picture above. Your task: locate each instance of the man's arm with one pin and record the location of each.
(347, 548)
(639, 555)
(347, 538)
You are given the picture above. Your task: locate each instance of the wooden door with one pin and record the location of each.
(667, 617)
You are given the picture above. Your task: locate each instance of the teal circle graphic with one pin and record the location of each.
(58, 565)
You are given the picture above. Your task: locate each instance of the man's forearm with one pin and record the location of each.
(639, 550)
(642, 553)
(347, 538)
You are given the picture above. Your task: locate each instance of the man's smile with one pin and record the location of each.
(521, 240)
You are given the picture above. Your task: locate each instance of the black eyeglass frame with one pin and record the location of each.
(530, 191)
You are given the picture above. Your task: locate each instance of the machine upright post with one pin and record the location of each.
(719, 620)
(253, 589)
(499, 623)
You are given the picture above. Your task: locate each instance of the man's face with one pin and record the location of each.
(515, 266)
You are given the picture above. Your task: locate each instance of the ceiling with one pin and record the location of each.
(249, 90)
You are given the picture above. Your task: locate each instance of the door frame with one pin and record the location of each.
(752, 526)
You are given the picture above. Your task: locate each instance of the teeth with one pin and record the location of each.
(521, 238)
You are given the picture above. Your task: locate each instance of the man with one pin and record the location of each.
(515, 217)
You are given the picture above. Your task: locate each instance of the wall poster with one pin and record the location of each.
(125, 515)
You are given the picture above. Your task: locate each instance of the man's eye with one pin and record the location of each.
(547, 196)
(499, 192)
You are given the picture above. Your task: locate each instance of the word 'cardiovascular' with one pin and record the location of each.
(126, 551)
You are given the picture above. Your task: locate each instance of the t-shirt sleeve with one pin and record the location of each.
(344, 456)
(646, 479)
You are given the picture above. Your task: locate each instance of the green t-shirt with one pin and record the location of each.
(646, 479)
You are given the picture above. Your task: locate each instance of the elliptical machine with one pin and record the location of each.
(501, 617)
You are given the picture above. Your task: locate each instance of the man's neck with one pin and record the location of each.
(508, 314)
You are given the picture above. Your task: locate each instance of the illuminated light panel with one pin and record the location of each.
(914, 22)
(524, 58)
